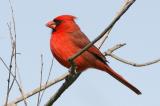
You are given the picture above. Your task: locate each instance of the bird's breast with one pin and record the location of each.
(62, 48)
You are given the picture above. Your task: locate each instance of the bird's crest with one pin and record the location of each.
(65, 17)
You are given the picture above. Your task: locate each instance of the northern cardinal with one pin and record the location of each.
(67, 39)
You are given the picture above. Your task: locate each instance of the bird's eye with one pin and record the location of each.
(57, 22)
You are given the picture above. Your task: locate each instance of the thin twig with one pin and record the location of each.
(13, 42)
(9, 79)
(9, 70)
(103, 39)
(12, 54)
(133, 63)
(49, 74)
(19, 86)
(15, 57)
(39, 94)
(112, 49)
(13, 39)
(109, 52)
(10, 65)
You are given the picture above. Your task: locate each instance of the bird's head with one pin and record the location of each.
(63, 22)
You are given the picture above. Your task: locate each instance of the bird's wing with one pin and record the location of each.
(81, 40)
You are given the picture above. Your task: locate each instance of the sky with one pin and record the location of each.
(139, 28)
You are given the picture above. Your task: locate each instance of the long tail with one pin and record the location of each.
(110, 71)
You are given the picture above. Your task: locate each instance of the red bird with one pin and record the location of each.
(67, 39)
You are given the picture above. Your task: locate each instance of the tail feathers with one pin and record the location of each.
(121, 79)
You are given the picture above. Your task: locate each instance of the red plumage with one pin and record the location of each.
(67, 39)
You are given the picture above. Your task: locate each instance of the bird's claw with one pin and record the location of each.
(71, 74)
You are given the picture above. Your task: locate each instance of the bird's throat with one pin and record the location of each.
(53, 30)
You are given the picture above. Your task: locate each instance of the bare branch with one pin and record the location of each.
(111, 50)
(9, 70)
(126, 7)
(13, 56)
(49, 74)
(43, 87)
(133, 63)
(9, 87)
(69, 81)
(13, 40)
(102, 40)
(9, 78)
(39, 93)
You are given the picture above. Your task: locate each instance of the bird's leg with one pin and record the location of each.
(73, 68)
(72, 71)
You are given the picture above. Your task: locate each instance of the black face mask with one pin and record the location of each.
(57, 22)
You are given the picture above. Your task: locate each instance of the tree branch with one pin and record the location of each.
(49, 74)
(103, 39)
(38, 89)
(41, 78)
(126, 7)
(133, 63)
(69, 81)
(109, 52)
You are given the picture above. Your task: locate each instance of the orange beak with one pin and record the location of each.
(51, 24)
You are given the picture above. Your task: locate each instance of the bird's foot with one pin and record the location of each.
(72, 73)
